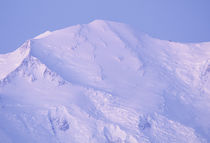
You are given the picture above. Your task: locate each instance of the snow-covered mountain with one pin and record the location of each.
(103, 82)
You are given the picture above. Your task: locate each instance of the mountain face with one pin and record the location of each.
(105, 83)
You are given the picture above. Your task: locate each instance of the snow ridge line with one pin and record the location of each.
(10, 62)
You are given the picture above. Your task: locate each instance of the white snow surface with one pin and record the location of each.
(43, 35)
(103, 82)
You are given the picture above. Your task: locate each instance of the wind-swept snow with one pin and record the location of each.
(9, 62)
(104, 82)
(43, 35)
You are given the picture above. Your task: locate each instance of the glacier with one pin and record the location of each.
(104, 82)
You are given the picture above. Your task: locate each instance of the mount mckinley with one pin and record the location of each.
(103, 82)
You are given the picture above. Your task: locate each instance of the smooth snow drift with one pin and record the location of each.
(105, 83)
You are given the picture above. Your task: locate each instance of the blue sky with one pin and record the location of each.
(177, 20)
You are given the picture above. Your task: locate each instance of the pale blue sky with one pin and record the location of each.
(177, 20)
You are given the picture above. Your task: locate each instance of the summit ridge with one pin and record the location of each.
(105, 82)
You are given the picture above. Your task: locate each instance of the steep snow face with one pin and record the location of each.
(93, 55)
(9, 62)
(104, 82)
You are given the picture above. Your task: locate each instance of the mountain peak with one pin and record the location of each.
(99, 82)
(9, 62)
(100, 22)
(43, 35)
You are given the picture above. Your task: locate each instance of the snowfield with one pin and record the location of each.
(103, 82)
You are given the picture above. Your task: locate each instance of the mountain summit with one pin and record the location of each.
(103, 82)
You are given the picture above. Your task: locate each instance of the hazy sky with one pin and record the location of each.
(177, 20)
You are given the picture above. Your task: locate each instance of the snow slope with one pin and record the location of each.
(103, 82)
